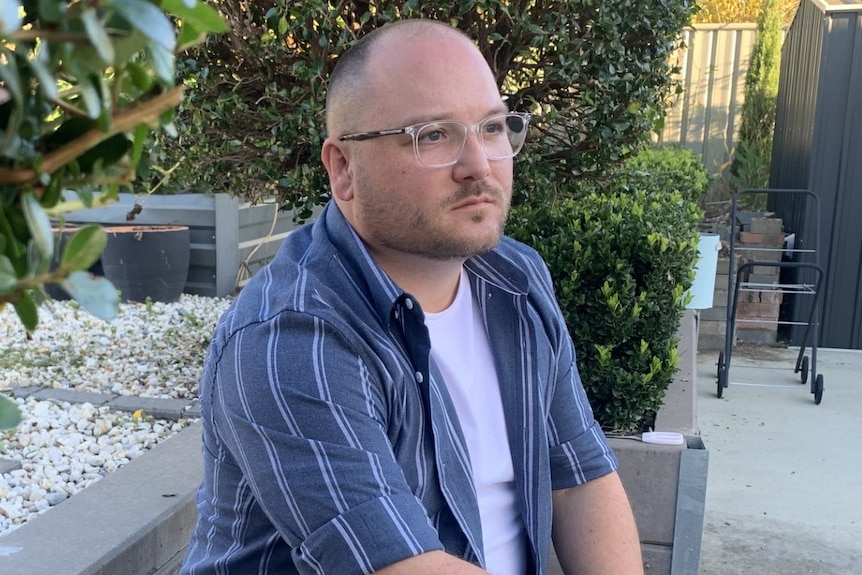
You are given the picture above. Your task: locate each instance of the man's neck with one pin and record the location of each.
(433, 283)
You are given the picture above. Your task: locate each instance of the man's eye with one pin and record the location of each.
(432, 134)
(496, 127)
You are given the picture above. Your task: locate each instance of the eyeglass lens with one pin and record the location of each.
(441, 143)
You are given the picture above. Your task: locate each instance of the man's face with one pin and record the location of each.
(398, 204)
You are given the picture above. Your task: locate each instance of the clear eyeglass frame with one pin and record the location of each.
(440, 143)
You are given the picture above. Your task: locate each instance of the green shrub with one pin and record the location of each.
(596, 75)
(753, 155)
(621, 256)
(670, 168)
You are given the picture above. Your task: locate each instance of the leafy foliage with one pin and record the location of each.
(753, 155)
(595, 74)
(621, 256)
(726, 11)
(81, 83)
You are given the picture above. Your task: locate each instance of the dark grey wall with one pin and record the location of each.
(818, 146)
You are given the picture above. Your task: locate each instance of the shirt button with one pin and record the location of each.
(408, 303)
(419, 377)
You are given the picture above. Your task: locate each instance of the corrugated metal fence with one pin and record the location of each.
(706, 116)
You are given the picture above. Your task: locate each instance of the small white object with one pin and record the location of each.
(663, 437)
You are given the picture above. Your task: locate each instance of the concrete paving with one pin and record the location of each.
(784, 492)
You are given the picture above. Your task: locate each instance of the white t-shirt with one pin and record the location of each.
(462, 350)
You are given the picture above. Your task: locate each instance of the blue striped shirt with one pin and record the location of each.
(330, 443)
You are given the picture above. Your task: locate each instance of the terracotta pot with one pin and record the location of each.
(149, 261)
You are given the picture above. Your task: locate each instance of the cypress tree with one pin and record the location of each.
(753, 154)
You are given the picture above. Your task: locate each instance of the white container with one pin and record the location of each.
(703, 287)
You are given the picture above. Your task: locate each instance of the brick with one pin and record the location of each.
(193, 410)
(757, 336)
(769, 279)
(23, 392)
(763, 240)
(769, 226)
(767, 296)
(757, 310)
(722, 268)
(766, 271)
(154, 406)
(715, 313)
(709, 342)
(712, 328)
(770, 255)
(73, 396)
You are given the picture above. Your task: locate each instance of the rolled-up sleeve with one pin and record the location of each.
(302, 415)
(579, 451)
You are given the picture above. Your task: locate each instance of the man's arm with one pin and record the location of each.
(594, 530)
(432, 563)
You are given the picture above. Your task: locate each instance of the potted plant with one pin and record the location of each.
(82, 85)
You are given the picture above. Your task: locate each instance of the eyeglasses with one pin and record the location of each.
(440, 144)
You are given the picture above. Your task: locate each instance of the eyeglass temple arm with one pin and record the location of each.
(369, 135)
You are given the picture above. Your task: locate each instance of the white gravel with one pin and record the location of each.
(154, 350)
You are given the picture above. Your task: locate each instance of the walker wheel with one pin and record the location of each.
(818, 389)
(804, 370)
(721, 379)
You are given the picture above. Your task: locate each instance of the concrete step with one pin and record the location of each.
(135, 521)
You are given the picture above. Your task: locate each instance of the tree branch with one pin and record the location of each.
(147, 112)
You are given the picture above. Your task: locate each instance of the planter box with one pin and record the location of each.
(230, 239)
(666, 486)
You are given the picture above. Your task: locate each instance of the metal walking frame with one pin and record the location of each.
(736, 284)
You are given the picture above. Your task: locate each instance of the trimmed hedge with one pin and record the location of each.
(621, 256)
(595, 75)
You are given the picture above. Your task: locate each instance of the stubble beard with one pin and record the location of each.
(423, 237)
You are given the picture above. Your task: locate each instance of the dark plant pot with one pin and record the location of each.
(60, 239)
(147, 261)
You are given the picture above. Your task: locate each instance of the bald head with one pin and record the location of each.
(352, 84)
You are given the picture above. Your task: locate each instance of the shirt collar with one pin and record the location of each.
(492, 267)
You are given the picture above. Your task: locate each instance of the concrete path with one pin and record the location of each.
(784, 493)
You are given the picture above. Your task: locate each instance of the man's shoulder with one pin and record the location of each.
(516, 250)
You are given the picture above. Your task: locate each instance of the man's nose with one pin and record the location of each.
(473, 163)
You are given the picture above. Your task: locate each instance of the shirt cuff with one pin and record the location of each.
(581, 459)
(368, 537)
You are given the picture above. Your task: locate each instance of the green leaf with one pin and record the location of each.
(95, 294)
(92, 101)
(127, 46)
(27, 312)
(47, 82)
(10, 19)
(84, 248)
(12, 83)
(150, 20)
(202, 16)
(98, 36)
(163, 63)
(8, 277)
(39, 224)
(9, 415)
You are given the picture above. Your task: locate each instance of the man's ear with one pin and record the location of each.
(336, 159)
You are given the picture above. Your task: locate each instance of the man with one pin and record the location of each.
(396, 392)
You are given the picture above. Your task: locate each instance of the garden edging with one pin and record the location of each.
(135, 521)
